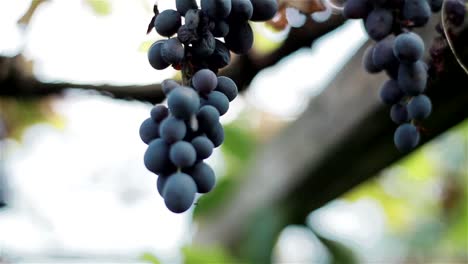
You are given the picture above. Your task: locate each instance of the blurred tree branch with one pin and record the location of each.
(17, 80)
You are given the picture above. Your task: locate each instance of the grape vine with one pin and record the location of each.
(181, 135)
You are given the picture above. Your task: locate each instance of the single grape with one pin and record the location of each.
(168, 85)
(156, 157)
(186, 35)
(240, 38)
(203, 146)
(159, 112)
(382, 55)
(219, 101)
(355, 9)
(182, 154)
(172, 129)
(204, 81)
(263, 10)
(221, 56)
(179, 192)
(205, 46)
(183, 102)
(167, 22)
(368, 62)
(419, 107)
(154, 56)
(399, 113)
(455, 11)
(183, 6)
(412, 78)
(416, 11)
(241, 11)
(161, 182)
(216, 135)
(228, 87)
(173, 51)
(207, 117)
(409, 47)
(390, 93)
(204, 177)
(378, 23)
(221, 29)
(149, 130)
(406, 137)
(216, 9)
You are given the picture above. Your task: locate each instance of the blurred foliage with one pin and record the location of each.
(19, 114)
(100, 7)
(150, 258)
(198, 255)
(424, 197)
(338, 251)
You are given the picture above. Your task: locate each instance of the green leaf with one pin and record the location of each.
(100, 7)
(148, 257)
(198, 255)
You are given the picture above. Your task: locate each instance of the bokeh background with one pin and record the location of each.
(76, 189)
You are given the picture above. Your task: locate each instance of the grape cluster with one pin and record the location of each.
(197, 41)
(181, 135)
(398, 51)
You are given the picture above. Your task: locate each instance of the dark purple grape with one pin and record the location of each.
(183, 102)
(221, 56)
(417, 11)
(167, 22)
(412, 78)
(228, 87)
(204, 177)
(182, 154)
(368, 62)
(216, 9)
(406, 137)
(160, 184)
(159, 112)
(172, 129)
(179, 192)
(205, 46)
(263, 10)
(419, 107)
(172, 51)
(221, 29)
(455, 11)
(207, 117)
(168, 85)
(186, 35)
(379, 23)
(409, 47)
(185, 5)
(390, 93)
(240, 38)
(156, 157)
(192, 19)
(399, 113)
(149, 130)
(154, 56)
(382, 55)
(241, 11)
(203, 146)
(216, 134)
(355, 9)
(219, 101)
(204, 81)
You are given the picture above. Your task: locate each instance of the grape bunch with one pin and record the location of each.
(181, 135)
(399, 52)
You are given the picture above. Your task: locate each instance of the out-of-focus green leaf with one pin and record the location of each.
(263, 44)
(148, 257)
(215, 198)
(198, 255)
(145, 45)
(238, 142)
(100, 7)
(19, 114)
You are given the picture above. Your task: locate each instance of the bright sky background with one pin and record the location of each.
(84, 189)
